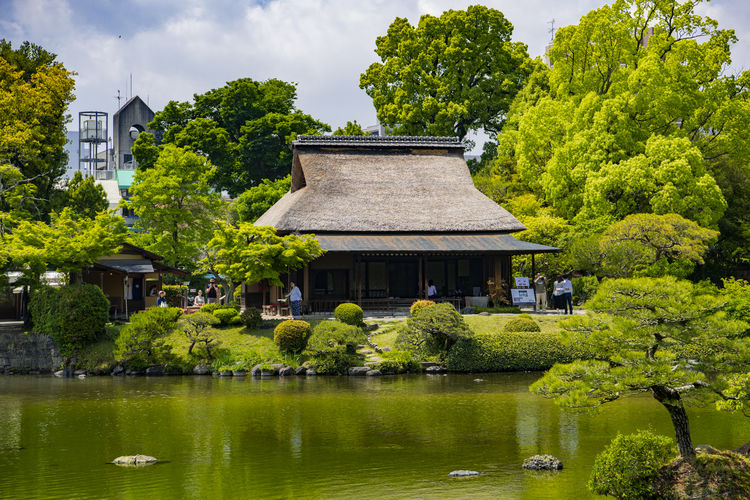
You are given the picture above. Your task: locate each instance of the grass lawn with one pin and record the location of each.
(495, 323)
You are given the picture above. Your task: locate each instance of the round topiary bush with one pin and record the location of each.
(227, 316)
(82, 313)
(521, 324)
(349, 313)
(251, 318)
(291, 335)
(629, 464)
(419, 305)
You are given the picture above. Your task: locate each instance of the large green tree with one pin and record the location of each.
(254, 253)
(662, 336)
(635, 115)
(35, 91)
(449, 75)
(254, 202)
(83, 195)
(244, 128)
(175, 205)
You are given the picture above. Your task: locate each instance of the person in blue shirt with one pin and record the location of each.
(295, 300)
(162, 300)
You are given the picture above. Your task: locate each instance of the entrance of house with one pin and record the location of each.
(403, 279)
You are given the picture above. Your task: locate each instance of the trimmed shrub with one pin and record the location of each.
(210, 308)
(522, 324)
(142, 342)
(499, 309)
(334, 336)
(349, 313)
(399, 362)
(433, 330)
(197, 329)
(629, 464)
(43, 307)
(291, 335)
(83, 312)
(584, 288)
(336, 363)
(419, 305)
(504, 351)
(226, 315)
(250, 317)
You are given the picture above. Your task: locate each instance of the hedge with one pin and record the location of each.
(43, 308)
(512, 352)
(349, 313)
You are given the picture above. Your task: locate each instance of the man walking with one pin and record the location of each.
(540, 290)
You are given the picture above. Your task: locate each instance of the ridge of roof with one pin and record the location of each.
(376, 141)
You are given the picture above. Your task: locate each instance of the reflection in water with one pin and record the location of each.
(323, 437)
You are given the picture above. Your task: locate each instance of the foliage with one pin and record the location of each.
(499, 310)
(143, 341)
(226, 315)
(254, 202)
(245, 129)
(640, 333)
(351, 128)
(83, 312)
(251, 318)
(419, 305)
(503, 351)
(713, 474)
(145, 151)
(83, 195)
(447, 76)
(35, 91)
(521, 324)
(175, 205)
(335, 363)
(349, 313)
(291, 335)
(584, 287)
(334, 337)
(629, 464)
(499, 293)
(43, 305)
(433, 330)
(174, 294)
(399, 362)
(67, 243)
(254, 253)
(211, 308)
(197, 329)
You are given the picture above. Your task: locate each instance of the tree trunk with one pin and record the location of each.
(673, 403)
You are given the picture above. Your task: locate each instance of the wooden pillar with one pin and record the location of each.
(306, 284)
(533, 277)
(421, 277)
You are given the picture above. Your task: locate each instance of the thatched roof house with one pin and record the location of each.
(394, 212)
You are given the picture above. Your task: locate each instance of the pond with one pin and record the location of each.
(316, 437)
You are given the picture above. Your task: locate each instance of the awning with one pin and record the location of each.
(422, 243)
(133, 266)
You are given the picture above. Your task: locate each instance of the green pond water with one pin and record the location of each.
(317, 437)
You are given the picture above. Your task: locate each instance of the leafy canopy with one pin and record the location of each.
(254, 202)
(447, 76)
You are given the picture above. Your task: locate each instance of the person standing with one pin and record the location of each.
(295, 300)
(540, 290)
(162, 300)
(212, 292)
(568, 295)
(431, 290)
(558, 289)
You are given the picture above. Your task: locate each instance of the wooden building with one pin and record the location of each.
(392, 214)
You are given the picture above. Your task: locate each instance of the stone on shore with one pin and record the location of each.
(155, 371)
(373, 373)
(301, 370)
(542, 462)
(358, 371)
(434, 369)
(201, 370)
(286, 371)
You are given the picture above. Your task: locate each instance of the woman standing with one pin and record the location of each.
(295, 300)
(558, 292)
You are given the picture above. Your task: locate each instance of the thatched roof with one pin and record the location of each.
(384, 184)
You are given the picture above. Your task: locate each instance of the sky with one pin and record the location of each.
(176, 48)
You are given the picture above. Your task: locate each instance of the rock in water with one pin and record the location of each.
(542, 462)
(463, 473)
(134, 460)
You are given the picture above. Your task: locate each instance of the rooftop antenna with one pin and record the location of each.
(118, 98)
(551, 30)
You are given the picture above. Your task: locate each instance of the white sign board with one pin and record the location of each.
(522, 282)
(522, 296)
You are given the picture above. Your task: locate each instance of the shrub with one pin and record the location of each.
(419, 305)
(251, 318)
(142, 342)
(629, 464)
(336, 363)
(399, 362)
(197, 329)
(174, 294)
(226, 315)
(349, 313)
(522, 324)
(334, 336)
(43, 307)
(499, 309)
(83, 312)
(210, 308)
(584, 288)
(433, 330)
(513, 352)
(291, 335)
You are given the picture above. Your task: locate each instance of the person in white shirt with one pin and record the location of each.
(431, 290)
(558, 289)
(295, 300)
(199, 300)
(568, 295)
